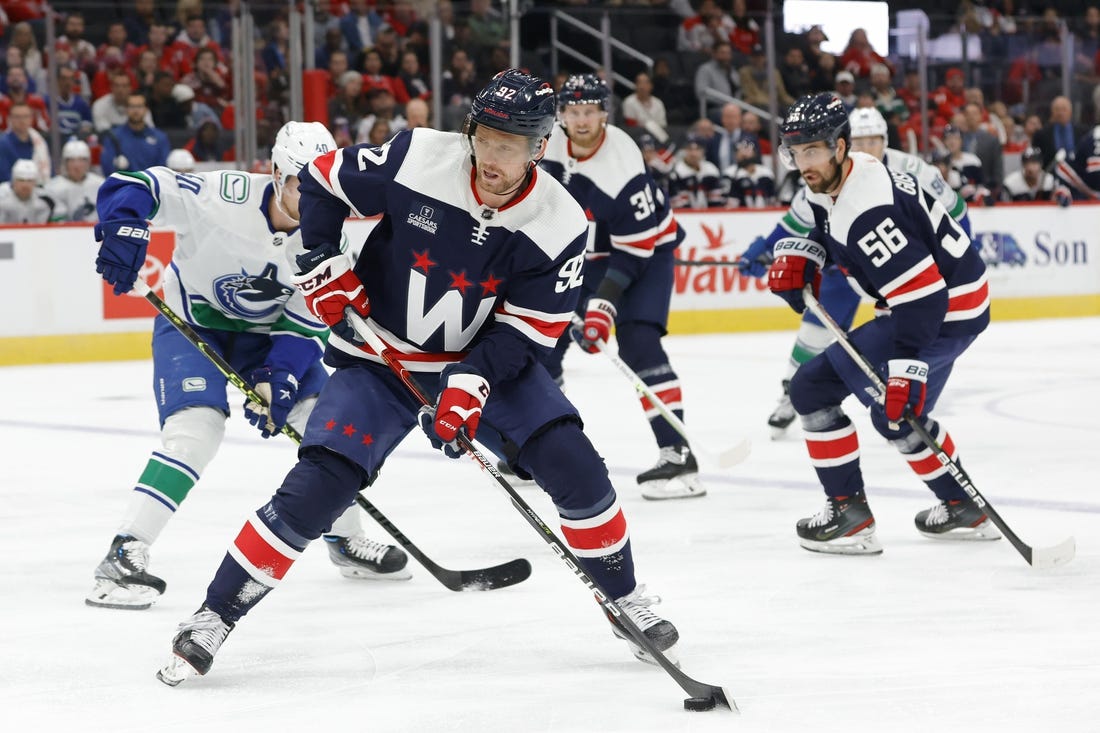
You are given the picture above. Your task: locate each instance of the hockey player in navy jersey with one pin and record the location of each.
(628, 268)
(470, 277)
(1079, 176)
(229, 279)
(869, 135)
(903, 248)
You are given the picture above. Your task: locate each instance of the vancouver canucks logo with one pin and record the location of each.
(252, 296)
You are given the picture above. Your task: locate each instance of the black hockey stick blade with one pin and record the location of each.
(497, 576)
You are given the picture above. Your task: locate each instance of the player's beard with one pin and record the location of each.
(501, 185)
(828, 185)
(587, 140)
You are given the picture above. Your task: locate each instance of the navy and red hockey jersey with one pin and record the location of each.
(902, 247)
(449, 278)
(630, 216)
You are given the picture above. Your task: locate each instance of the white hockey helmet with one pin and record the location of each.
(296, 144)
(181, 161)
(867, 122)
(24, 170)
(76, 149)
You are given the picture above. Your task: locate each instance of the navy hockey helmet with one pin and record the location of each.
(516, 103)
(812, 118)
(584, 89)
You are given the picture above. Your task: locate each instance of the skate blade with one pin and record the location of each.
(861, 543)
(674, 488)
(984, 532)
(643, 655)
(358, 573)
(176, 671)
(778, 433)
(109, 594)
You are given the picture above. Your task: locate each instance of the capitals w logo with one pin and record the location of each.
(423, 322)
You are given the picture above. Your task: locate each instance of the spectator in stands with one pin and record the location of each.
(275, 52)
(951, 97)
(72, 36)
(18, 94)
(110, 109)
(415, 83)
(181, 161)
(337, 66)
(358, 26)
(746, 32)
(887, 101)
(642, 109)
(373, 78)
(139, 20)
(22, 142)
(1031, 182)
(210, 81)
(417, 114)
(145, 72)
(332, 42)
(417, 42)
(72, 109)
(379, 132)
(459, 87)
(486, 24)
(984, 145)
(388, 45)
(699, 33)
(695, 182)
(117, 46)
(754, 82)
(1059, 133)
(190, 41)
(167, 111)
(348, 108)
(401, 15)
(821, 63)
(752, 127)
(23, 202)
(795, 72)
(845, 88)
(658, 160)
(22, 38)
(748, 183)
(75, 187)
(380, 106)
(135, 145)
(964, 170)
(990, 122)
(910, 94)
(859, 56)
(207, 145)
(718, 75)
(721, 148)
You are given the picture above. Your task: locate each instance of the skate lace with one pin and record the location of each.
(824, 516)
(937, 515)
(136, 553)
(207, 630)
(366, 549)
(636, 606)
(673, 454)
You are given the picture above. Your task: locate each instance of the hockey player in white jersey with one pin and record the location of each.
(869, 135)
(76, 186)
(22, 201)
(229, 278)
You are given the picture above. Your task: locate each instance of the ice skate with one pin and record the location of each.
(784, 414)
(194, 646)
(359, 557)
(121, 580)
(661, 633)
(956, 520)
(843, 527)
(676, 476)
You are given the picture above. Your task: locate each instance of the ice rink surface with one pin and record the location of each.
(928, 636)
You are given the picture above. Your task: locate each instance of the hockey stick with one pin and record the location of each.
(491, 578)
(703, 695)
(1039, 557)
(726, 459)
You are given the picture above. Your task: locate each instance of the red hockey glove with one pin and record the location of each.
(329, 286)
(458, 408)
(598, 318)
(905, 388)
(798, 262)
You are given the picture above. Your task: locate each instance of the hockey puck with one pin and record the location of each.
(699, 704)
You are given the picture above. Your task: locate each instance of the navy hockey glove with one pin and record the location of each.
(755, 260)
(330, 285)
(122, 246)
(1062, 196)
(598, 317)
(458, 408)
(798, 263)
(279, 388)
(905, 388)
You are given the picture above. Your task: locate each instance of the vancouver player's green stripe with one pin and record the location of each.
(148, 183)
(167, 480)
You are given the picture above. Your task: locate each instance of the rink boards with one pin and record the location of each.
(1042, 264)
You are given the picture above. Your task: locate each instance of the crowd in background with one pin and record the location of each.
(138, 81)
